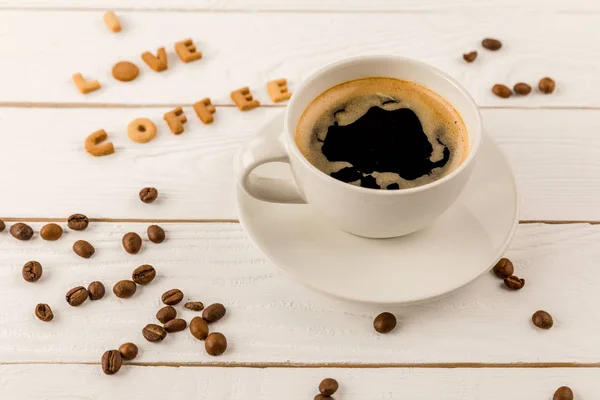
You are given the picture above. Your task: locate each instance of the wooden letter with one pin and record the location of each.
(278, 90)
(186, 50)
(159, 62)
(93, 146)
(243, 99)
(205, 110)
(175, 119)
(112, 21)
(84, 86)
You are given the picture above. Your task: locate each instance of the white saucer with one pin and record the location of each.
(464, 243)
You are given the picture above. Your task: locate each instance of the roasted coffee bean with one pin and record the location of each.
(491, 44)
(144, 274)
(172, 297)
(76, 296)
(148, 194)
(542, 319)
(215, 344)
(124, 289)
(175, 325)
(32, 271)
(214, 312)
(132, 243)
(2, 225)
(96, 290)
(83, 249)
(328, 386)
(166, 314)
(470, 57)
(504, 268)
(44, 312)
(128, 351)
(154, 333)
(111, 362)
(384, 322)
(522, 88)
(21, 231)
(502, 91)
(563, 393)
(198, 328)
(546, 85)
(78, 222)
(514, 283)
(194, 305)
(156, 234)
(51, 232)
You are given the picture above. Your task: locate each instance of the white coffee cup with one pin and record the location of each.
(365, 212)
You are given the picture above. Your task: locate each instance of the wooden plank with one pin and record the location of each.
(48, 174)
(272, 321)
(248, 50)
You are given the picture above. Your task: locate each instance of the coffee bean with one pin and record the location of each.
(111, 362)
(504, 268)
(384, 322)
(51, 232)
(148, 194)
(470, 57)
(154, 333)
(175, 325)
(144, 274)
(2, 225)
(198, 328)
(502, 91)
(542, 319)
(328, 386)
(83, 249)
(522, 88)
(214, 312)
(132, 242)
(194, 305)
(21, 231)
(96, 290)
(124, 289)
(512, 282)
(128, 351)
(156, 234)
(546, 85)
(166, 314)
(32, 271)
(77, 222)
(76, 296)
(491, 44)
(215, 344)
(563, 393)
(44, 312)
(172, 297)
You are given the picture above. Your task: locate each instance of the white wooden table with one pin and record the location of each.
(283, 338)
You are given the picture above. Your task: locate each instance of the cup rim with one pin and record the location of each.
(468, 160)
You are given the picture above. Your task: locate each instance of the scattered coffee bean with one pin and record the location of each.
(384, 322)
(156, 234)
(154, 333)
(2, 225)
(76, 296)
(546, 85)
(148, 194)
(21, 231)
(328, 386)
(512, 282)
(132, 243)
(83, 249)
(502, 91)
(198, 328)
(194, 305)
(111, 362)
(470, 57)
(78, 222)
(321, 397)
(563, 393)
(172, 297)
(491, 44)
(542, 320)
(32, 271)
(128, 351)
(51, 232)
(144, 274)
(44, 312)
(522, 88)
(215, 344)
(166, 314)
(124, 289)
(175, 325)
(504, 268)
(96, 290)
(214, 312)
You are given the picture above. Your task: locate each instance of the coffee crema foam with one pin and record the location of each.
(372, 112)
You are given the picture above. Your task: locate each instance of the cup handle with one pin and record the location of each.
(261, 151)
